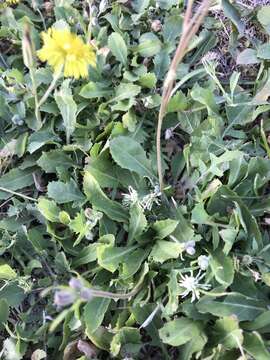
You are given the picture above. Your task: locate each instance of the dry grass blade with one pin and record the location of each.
(190, 27)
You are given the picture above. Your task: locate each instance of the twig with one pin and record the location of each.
(190, 27)
(17, 194)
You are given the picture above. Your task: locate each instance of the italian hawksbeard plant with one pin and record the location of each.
(66, 51)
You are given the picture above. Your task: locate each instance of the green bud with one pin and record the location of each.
(27, 48)
(64, 217)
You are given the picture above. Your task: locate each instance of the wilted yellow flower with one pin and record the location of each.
(6, 3)
(11, 2)
(63, 49)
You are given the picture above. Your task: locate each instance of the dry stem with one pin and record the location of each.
(190, 27)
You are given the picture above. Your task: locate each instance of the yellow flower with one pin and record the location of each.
(63, 49)
(11, 2)
(6, 3)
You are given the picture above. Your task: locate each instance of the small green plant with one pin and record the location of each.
(118, 240)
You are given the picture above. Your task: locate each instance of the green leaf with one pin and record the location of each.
(263, 51)
(94, 90)
(222, 268)
(243, 307)
(148, 80)
(63, 193)
(137, 223)
(15, 180)
(232, 13)
(228, 236)
(228, 333)
(263, 16)
(102, 338)
(103, 170)
(249, 223)
(149, 45)
(225, 197)
(204, 96)
(6, 272)
(179, 331)
(40, 138)
(87, 255)
(140, 5)
(125, 336)
(195, 345)
(4, 311)
(162, 63)
(172, 28)
(199, 215)
(110, 257)
(130, 155)
(129, 121)
(51, 160)
(177, 103)
(184, 231)
(173, 292)
(247, 57)
(164, 228)
(101, 202)
(82, 226)
(48, 209)
(67, 107)
(13, 294)
(263, 94)
(132, 263)
(239, 115)
(118, 47)
(255, 346)
(126, 91)
(94, 312)
(167, 4)
(164, 250)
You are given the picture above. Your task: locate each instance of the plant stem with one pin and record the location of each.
(17, 194)
(190, 27)
(34, 89)
(56, 76)
(265, 142)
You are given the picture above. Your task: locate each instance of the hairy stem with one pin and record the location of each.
(34, 89)
(56, 76)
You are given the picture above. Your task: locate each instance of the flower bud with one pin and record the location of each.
(27, 48)
(190, 250)
(203, 262)
(156, 25)
(190, 247)
(247, 260)
(64, 297)
(48, 6)
(168, 134)
(75, 283)
(64, 217)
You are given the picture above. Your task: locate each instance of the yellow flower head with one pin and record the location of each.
(63, 49)
(12, 2)
(6, 3)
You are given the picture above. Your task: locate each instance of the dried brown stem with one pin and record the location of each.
(190, 27)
